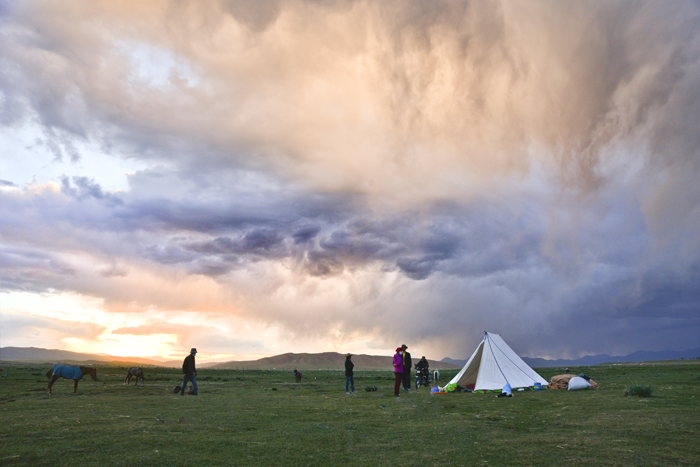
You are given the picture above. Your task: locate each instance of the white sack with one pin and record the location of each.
(578, 383)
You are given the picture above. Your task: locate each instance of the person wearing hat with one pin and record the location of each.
(189, 370)
(349, 379)
(406, 368)
(398, 370)
(423, 363)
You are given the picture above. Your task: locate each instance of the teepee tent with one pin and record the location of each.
(493, 365)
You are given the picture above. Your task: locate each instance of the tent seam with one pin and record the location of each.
(511, 361)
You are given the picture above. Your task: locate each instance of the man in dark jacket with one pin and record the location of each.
(349, 379)
(189, 370)
(407, 368)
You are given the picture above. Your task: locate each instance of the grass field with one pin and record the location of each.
(263, 418)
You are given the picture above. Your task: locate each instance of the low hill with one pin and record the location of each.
(53, 356)
(322, 361)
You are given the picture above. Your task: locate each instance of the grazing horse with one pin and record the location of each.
(70, 372)
(136, 372)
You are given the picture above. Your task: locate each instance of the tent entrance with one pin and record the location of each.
(469, 378)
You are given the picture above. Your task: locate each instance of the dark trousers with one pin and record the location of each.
(185, 380)
(397, 383)
(406, 379)
(349, 382)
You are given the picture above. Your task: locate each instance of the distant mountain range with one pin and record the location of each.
(301, 361)
(589, 360)
(306, 361)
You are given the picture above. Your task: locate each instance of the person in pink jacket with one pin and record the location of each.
(398, 370)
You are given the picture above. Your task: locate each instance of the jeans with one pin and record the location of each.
(184, 384)
(349, 381)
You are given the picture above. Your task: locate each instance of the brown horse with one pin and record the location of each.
(134, 371)
(70, 372)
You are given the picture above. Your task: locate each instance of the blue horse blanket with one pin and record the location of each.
(66, 371)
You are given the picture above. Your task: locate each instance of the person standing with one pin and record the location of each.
(190, 372)
(398, 370)
(349, 378)
(406, 368)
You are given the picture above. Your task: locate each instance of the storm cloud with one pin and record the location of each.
(356, 174)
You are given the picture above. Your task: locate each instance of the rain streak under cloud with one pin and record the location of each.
(253, 178)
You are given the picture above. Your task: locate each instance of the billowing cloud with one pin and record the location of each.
(344, 174)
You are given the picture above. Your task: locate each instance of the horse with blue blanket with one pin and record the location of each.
(70, 372)
(136, 372)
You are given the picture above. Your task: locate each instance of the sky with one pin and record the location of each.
(255, 178)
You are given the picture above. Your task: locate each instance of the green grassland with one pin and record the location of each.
(264, 418)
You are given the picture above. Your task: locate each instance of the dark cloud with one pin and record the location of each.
(322, 263)
(84, 187)
(305, 234)
(261, 240)
(416, 268)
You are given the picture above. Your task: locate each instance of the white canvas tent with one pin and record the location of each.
(492, 365)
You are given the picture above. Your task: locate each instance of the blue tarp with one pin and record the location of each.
(66, 371)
